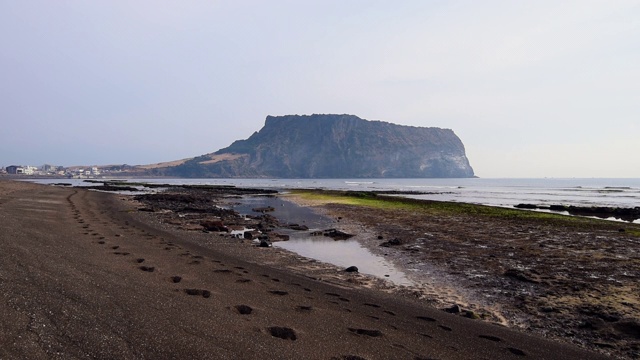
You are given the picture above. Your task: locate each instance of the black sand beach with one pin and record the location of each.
(83, 274)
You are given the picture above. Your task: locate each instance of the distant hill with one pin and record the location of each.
(331, 146)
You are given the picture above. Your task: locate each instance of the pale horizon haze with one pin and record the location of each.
(532, 88)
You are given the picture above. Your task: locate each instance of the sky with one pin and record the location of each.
(542, 88)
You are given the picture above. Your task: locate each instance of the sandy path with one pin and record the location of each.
(81, 276)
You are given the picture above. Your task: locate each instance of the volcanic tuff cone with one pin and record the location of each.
(335, 146)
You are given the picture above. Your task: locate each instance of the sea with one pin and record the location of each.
(493, 192)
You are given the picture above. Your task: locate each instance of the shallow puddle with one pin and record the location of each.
(342, 253)
(345, 253)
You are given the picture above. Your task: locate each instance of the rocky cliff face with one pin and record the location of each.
(335, 146)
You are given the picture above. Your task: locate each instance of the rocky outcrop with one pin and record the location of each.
(335, 146)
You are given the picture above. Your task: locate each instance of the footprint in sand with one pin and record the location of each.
(366, 332)
(283, 333)
(426, 318)
(243, 309)
(490, 337)
(147, 268)
(176, 279)
(348, 357)
(198, 292)
(279, 292)
(516, 351)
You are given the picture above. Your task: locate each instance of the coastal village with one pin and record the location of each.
(76, 172)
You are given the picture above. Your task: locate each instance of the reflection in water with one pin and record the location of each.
(342, 253)
(345, 253)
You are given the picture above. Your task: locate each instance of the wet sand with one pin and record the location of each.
(84, 274)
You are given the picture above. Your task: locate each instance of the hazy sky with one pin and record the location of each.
(533, 88)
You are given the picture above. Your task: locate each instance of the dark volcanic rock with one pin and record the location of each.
(264, 243)
(214, 225)
(522, 276)
(334, 146)
(455, 309)
(392, 242)
(604, 212)
(336, 234)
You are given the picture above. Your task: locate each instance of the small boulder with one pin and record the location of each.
(298, 227)
(214, 225)
(455, 309)
(336, 234)
(351, 269)
(264, 243)
(263, 209)
(392, 242)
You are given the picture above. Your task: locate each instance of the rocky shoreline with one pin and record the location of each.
(602, 212)
(548, 277)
